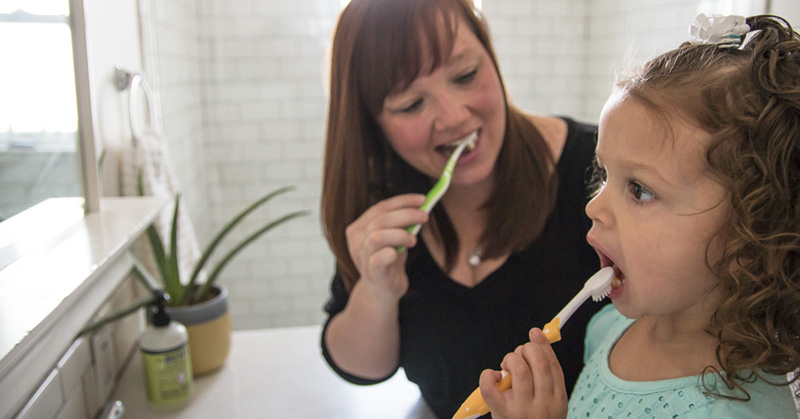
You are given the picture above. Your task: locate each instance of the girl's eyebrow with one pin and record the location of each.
(629, 165)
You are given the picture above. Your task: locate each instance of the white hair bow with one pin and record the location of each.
(724, 31)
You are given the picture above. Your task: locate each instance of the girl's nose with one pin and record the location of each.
(598, 209)
(452, 111)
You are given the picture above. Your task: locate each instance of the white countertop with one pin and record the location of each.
(279, 373)
(50, 252)
(57, 265)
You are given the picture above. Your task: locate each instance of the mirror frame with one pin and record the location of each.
(83, 94)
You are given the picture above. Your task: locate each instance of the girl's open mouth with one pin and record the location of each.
(619, 275)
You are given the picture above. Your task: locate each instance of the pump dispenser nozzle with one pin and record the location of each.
(158, 311)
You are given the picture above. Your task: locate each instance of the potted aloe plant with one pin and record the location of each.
(203, 307)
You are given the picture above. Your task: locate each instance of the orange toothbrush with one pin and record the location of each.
(597, 287)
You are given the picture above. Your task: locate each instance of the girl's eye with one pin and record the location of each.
(640, 193)
(599, 176)
(466, 78)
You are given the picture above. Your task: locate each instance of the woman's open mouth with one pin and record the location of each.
(448, 149)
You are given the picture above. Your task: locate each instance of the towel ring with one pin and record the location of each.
(139, 84)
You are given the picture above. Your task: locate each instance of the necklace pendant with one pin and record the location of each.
(475, 258)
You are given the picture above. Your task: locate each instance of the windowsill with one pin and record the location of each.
(60, 260)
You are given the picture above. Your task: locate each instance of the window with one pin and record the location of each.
(38, 107)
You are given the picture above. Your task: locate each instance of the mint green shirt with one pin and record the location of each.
(599, 393)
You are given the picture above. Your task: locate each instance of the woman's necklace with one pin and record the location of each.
(475, 257)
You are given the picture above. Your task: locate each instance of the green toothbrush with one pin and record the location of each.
(437, 192)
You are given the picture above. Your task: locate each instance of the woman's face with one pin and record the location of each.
(459, 97)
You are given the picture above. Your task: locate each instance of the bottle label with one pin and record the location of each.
(167, 376)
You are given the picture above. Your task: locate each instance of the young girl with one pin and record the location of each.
(698, 209)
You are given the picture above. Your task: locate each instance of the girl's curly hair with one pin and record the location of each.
(748, 99)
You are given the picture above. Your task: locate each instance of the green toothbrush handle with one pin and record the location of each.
(437, 191)
(431, 198)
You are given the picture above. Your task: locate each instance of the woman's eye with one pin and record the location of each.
(412, 107)
(466, 78)
(640, 193)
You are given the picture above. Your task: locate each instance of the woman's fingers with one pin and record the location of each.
(373, 239)
(397, 211)
(384, 223)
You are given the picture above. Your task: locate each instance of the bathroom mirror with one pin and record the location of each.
(39, 141)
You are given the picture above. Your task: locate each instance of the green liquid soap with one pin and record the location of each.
(166, 362)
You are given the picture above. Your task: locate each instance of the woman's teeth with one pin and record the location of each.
(448, 149)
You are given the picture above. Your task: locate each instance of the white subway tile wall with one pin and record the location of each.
(242, 94)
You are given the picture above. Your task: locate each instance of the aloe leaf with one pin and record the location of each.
(172, 281)
(157, 246)
(200, 295)
(143, 275)
(139, 182)
(227, 228)
(116, 316)
(167, 263)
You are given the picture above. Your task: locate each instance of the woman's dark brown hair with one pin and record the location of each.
(378, 48)
(748, 100)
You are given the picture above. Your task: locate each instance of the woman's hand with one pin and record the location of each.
(537, 383)
(374, 237)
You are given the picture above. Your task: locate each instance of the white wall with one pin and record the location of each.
(244, 109)
(541, 51)
(264, 126)
(627, 32)
(789, 9)
(111, 41)
(171, 49)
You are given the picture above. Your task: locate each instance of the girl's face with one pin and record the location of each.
(656, 213)
(459, 97)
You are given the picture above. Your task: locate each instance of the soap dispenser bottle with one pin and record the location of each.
(166, 361)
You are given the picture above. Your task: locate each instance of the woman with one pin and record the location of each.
(505, 248)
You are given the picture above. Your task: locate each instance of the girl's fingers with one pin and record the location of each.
(521, 378)
(547, 374)
(491, 394)
(540, 363)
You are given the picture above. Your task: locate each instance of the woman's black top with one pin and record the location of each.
(450, 333)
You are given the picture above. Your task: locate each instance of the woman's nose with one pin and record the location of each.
(452, 110)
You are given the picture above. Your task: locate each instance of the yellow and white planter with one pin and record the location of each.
(209, 326)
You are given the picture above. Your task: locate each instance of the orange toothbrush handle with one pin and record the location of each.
(475, 406)
(552, 330)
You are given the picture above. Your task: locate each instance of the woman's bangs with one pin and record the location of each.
(405, 43)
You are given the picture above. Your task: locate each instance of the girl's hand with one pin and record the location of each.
(374, 237)
(537, 383)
